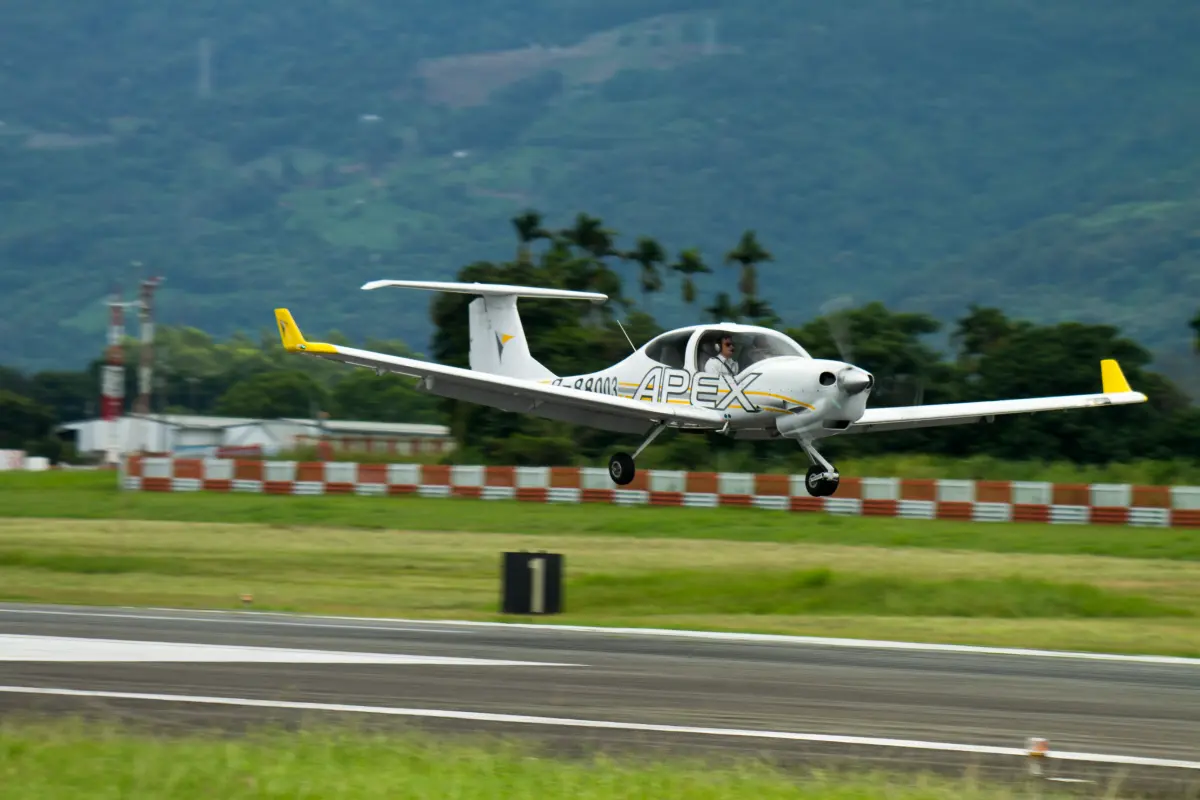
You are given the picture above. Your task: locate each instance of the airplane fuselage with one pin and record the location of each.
(782, 394)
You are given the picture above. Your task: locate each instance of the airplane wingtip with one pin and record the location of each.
(1113, 378)
(293, 339)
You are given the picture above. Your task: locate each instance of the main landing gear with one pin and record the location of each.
(620, 466)
(822, 479)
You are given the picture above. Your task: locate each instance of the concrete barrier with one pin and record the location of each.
(980, 501)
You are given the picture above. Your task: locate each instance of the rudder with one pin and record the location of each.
(498, 343)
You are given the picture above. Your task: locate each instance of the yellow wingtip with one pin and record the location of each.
(289, 332)
(293, 339)
(1113, 378)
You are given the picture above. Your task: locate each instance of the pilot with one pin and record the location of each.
(722, 363)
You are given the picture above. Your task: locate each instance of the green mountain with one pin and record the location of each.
(1039, 157)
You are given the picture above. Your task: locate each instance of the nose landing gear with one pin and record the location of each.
(822, 479)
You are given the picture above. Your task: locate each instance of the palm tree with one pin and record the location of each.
(649, 254)
(690, 263)
(589, 234)
(748, 253)
(529, 228)
(723, 309)
(760, 311)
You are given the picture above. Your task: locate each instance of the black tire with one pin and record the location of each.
(621, 469)
(812, 481)
(817, 486)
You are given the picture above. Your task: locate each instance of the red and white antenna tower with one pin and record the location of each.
(146, 365)
(112, 380)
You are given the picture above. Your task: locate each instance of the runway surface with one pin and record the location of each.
(1131, 708)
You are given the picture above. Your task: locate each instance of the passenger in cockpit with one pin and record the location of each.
(758, 350)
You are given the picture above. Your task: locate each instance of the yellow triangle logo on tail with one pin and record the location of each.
(501, 340)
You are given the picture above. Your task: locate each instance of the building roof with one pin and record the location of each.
(199, 422)
(350, 426)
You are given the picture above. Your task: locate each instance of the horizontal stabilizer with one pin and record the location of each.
(490, 289)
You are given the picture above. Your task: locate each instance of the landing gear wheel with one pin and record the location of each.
(818, 483)
(620, 469)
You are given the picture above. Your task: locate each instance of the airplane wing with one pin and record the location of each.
(1116, 391)
(509, 394)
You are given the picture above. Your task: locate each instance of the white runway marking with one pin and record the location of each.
(64, 649)
(248, 618)
(480, 716)
(451, 626)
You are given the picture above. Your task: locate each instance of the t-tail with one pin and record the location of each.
(498, 343)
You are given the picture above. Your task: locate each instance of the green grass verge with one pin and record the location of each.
(822, 591)
(71, 759)
(91, 495)
(917, 594)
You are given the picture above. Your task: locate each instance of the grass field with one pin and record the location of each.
(73, 538)
(72, 759)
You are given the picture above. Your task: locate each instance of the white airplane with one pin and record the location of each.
(766, 386)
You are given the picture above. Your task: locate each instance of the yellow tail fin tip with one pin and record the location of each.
(1112, 377)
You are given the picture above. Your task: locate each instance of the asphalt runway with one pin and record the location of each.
(600, 686)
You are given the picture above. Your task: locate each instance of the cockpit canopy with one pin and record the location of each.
(691, 348)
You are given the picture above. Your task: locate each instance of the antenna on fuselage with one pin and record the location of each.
(622, 327)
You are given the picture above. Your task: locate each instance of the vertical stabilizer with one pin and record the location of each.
(498, 343)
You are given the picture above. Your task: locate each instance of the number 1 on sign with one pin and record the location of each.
(538, 601)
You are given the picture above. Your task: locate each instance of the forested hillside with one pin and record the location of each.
(1037, 157)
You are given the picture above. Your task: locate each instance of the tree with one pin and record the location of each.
(22, 421)
(529, 229)
(589, 234)
(1195, 326)
(747, 255)
(70, 395)
(274, 395)
(363, 395)
(587, 272)
(688, 265)
(723, 309)
(759, 311)
(648, 254)
(979, 332)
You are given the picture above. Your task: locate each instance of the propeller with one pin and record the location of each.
(836, 313)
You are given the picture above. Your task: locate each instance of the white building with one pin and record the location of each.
(193, 435)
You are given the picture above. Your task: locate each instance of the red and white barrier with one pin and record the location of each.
(911, 498)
